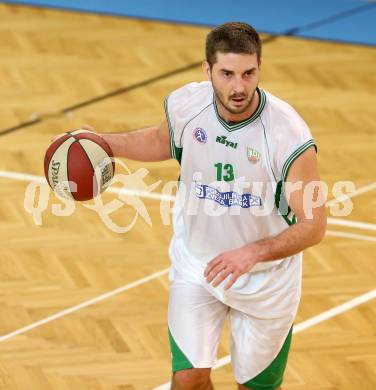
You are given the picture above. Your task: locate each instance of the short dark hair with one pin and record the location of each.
(232, 37)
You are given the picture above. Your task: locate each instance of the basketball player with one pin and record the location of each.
(233, 255)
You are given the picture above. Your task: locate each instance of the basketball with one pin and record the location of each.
(79, 165)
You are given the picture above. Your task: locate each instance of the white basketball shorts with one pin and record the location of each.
(260, 316)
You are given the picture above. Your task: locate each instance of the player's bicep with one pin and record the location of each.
(304, 190)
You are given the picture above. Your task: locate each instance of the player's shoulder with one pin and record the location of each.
(280, 110)
(193, 89)
(185, 104)
(192, 95)
(282, 118)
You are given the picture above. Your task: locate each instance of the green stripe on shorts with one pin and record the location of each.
(271, 378)
(179, 360)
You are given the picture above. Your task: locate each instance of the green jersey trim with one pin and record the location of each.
(179, 360)
(281, 204)
(294, 156)
(280, 198)
(175, 151)
(272, 376)
(245, 122)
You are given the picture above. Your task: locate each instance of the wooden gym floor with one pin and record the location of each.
(50, 60)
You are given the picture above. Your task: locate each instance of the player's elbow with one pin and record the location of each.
(318, 229)
(314, 228)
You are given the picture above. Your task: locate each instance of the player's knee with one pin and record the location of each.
(192, 378)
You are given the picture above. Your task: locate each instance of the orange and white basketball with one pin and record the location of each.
(79, 165)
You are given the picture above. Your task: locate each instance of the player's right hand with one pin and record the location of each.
(84, 127)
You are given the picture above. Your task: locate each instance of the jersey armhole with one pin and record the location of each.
(280, 198)
(175, 151)
(289, 161)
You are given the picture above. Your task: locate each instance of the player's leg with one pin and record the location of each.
(192, 379)
(272, 376)
(195, 320)
(261, 318)
(185, 377)
(251, 351)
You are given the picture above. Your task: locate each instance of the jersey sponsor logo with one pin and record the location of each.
(227, 199)
(199, 135)
(253, 155)
(223, 140)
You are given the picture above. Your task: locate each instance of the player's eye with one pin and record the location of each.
(227, 74)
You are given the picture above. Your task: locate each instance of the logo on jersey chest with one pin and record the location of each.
(224, 141)
(227, 198)
(253, 155)
(199, 135)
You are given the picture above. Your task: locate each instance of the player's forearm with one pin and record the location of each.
(291, 241)
(140, 145)
(242, 260)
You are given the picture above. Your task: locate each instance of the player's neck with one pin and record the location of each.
(233, 118)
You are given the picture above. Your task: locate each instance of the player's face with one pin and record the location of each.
(234, 78)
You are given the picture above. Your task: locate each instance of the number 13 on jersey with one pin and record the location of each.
(224, 172)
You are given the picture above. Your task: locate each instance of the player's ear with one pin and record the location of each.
(206, 69)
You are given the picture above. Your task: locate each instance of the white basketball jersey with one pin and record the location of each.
(231, 176)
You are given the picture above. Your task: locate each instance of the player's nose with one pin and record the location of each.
(238, 86)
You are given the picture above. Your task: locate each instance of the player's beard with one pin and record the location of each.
(248, 100)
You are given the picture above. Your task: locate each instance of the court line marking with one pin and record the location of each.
(143, 194)
(28, 177)
(126, 287)
(326, 315)
(22, 176)
(362, 237)
(38, 117)
(292, 32)
(359, 191)
(41, 179)
(158, 196)
(82, 305)
(354, 224)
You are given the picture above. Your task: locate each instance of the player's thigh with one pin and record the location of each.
(195, 321)
(259, 350)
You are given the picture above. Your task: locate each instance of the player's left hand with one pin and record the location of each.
(235, 263)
